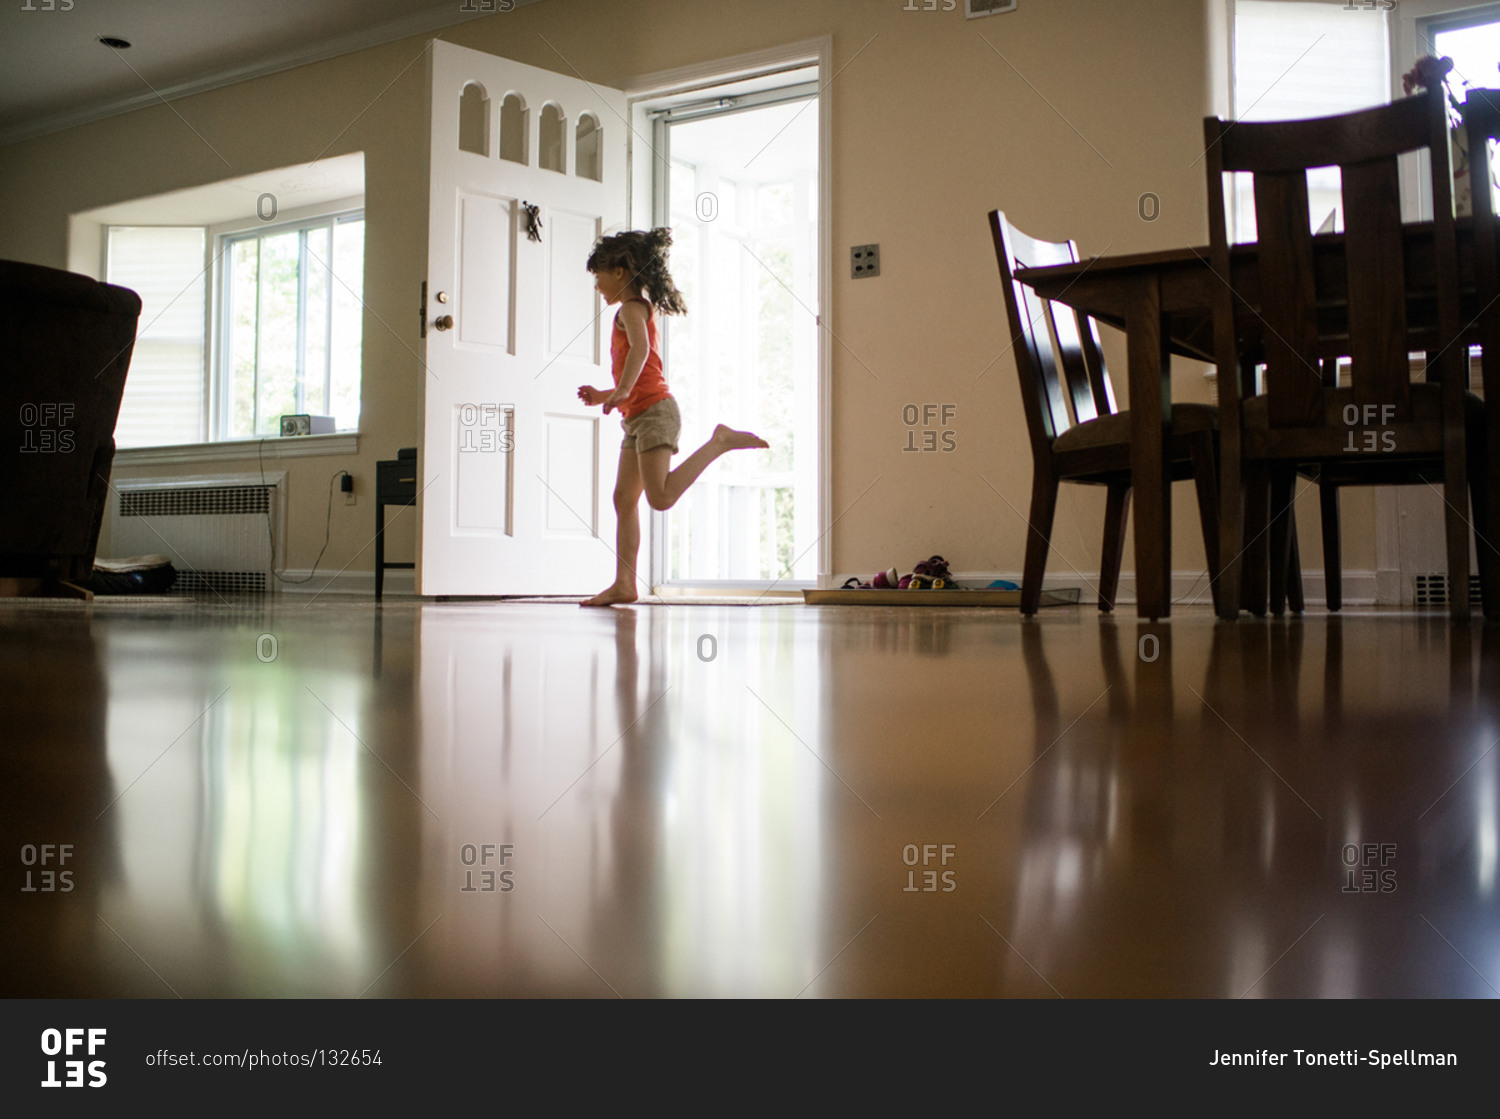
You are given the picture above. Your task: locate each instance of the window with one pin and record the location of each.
(291, 319)
(1472, 40)
(287, 325)
(251, 304)
(1295, 60)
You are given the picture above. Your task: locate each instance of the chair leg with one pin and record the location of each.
(1333, 562)
(1205, 479)
(1484, 454)
(1231, 529)
(1455, 518)
(1280, 534)
(1294, 599)
(1485, 542)
(1038, 539)
(1116, 514)
(1257, 550)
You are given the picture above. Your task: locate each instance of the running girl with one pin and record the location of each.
(631, 269)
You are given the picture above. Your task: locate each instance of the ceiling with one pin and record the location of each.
(55, 74)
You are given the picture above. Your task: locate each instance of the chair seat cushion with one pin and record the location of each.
(1110, 430)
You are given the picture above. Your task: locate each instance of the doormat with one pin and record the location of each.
(1053, 596)
(645, 600)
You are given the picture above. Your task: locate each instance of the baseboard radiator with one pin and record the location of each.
(213, 530)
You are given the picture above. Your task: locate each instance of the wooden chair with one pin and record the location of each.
(1482, 120)
(1299, 422)
(1092, 445)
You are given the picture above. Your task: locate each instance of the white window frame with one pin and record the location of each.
(220, 238)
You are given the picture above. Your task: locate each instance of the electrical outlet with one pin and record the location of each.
(346, 483)
(864, 261)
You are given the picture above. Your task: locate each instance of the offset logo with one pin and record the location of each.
(490, 880)
(47, 881)
(911, 854)
(73, 1043)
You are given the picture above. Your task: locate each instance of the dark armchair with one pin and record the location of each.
(65, 347)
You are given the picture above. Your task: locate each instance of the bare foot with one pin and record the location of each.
(612, 595)
(737, 440)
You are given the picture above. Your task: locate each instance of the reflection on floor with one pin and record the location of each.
(207, 798)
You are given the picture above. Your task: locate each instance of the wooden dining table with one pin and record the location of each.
(1163, 301)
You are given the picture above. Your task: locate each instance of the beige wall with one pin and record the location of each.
(932, 128)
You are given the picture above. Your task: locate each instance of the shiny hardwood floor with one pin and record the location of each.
(334, 798)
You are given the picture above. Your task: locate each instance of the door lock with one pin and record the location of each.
(443, 322)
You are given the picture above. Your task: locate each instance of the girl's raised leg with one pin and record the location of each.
(664, 487)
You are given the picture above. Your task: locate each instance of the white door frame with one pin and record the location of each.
(639, 205)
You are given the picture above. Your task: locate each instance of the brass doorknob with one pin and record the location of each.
(444, 322)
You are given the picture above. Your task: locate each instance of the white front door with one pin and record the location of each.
(516, 472)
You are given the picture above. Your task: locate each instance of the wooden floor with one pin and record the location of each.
(333, 798)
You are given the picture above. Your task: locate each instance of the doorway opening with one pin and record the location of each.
(737, 179)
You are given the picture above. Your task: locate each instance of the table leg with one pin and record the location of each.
(379, 547)
(1151, 417)
(1488, 471)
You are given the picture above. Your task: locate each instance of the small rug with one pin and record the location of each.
(1052, 596)
(660, 600)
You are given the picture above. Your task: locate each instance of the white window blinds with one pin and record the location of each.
(1296, 60)
(164, 391)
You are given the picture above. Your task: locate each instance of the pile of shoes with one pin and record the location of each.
(930, 574)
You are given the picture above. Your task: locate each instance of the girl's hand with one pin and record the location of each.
(613, 400)
(591, 396)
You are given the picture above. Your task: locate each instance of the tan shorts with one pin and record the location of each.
(658, 426)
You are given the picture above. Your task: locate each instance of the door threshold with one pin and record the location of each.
(727, 590)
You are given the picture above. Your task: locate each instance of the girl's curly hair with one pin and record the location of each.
(643, 254)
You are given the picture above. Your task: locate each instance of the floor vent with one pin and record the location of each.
(213, 529)
(1432, 590)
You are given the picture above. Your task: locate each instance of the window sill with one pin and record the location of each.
(238, 450)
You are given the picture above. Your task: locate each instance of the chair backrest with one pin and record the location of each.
(1057, 356)
(1365, 146)
(1482, 120)
(65, 348)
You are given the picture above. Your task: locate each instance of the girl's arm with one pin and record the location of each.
(633, 317)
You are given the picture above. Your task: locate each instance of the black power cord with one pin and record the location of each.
(327, 524)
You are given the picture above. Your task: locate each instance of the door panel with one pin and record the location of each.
(514, 470)
(572, 476)
(570, 288)
(486, 253)
(483, 484)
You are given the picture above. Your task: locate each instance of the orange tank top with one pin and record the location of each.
(650, 387)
